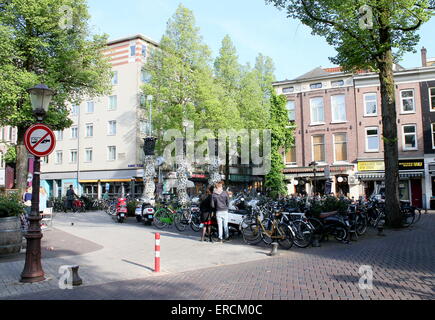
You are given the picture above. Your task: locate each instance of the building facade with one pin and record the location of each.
(103, 149)
(338, 125)
(8, 138)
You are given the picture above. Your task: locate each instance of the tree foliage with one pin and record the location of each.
(282, 138)
(47, 41)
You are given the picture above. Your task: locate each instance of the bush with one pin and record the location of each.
(10, 206)
(131, 208)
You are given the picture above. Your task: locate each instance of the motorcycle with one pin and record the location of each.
(145, 212)
(121, 209)
(331, 224)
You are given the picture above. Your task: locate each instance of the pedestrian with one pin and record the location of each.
(42, 199)
(70, 194)
(27, 200)
(207, 213)
(220, 204)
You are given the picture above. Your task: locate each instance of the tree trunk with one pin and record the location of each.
(21, 169)
(389, 123)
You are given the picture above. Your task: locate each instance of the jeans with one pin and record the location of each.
(222, 220)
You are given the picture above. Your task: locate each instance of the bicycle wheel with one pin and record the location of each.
(408, 217)
(303, 233)
(268, 231)
(361, 224)
(195, 222)
(286, 238)
(340, 234)
(161, 218)
(180, 221)
(252, 233)
(417, 215)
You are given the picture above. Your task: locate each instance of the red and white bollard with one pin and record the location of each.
(157, 258)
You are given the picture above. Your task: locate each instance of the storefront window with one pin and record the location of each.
(404, 190)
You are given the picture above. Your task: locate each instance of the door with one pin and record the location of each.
(416, 193)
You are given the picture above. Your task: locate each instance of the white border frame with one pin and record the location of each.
(345, 112)
(313, 123)
(364, 104)
(324, 148)
(413, 101)
(108, 153)
(366, 140)
(403, 137)
(333, 143)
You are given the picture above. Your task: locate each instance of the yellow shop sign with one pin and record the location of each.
(371, 166)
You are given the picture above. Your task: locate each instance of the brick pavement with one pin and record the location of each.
(403, 265)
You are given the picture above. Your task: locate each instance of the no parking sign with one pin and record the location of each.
(39, 140)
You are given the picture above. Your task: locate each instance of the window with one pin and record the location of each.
(2, 160)
(73, 156)
(144, 50)
(10, 133)
(410, 137)
(291, 110)
(338, 108)
(317, 111)
(432, 98)
(90, 107)
(59, 135)
(89, 130)
(370, 104)
(74, 132)
(58, 157)
(338, 83)
(340, 147)
(113, 102)
(316, 85)
(319, 148)
(111, 153)
(372, 139)
(88, 155)
(145, 77)
(407, 98)
(290, 156)
(45, 160)
(115, 77)
(288, 90)
(111, 129)
(75, 110)
(132, 50)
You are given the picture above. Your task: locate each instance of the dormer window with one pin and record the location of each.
(288, 90)
(338, 83)
(317, 85)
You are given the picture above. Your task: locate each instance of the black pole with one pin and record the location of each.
(32, 271)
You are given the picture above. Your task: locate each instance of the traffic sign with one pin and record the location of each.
(39, 140)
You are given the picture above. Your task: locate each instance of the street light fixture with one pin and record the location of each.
(150, 101)
(40, 97)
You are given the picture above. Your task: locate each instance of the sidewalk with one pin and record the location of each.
(107, 251)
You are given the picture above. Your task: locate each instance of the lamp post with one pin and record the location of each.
(150, 103)
(314, 164)
(40, 97)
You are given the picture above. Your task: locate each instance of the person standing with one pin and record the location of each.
(42, 199)
(70, 194)
(220, 203)
(207, 214)
(27, 200)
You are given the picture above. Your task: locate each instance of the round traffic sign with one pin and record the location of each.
(39, 140)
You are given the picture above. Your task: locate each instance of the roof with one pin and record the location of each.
(315, 73)
(133, 37)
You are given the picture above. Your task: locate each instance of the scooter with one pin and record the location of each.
(121, 209)
(145, 212)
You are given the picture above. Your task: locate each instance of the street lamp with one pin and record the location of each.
(40, 97)
(314, 164)
(150, 101)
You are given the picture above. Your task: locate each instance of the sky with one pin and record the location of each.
(253, 26)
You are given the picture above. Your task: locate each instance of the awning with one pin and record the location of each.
(381, 176)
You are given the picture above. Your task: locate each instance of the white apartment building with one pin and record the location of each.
(104, 146)
(8, 137)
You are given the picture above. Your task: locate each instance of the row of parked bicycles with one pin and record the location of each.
(290, 221)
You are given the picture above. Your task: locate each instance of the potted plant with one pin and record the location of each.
(11, 208)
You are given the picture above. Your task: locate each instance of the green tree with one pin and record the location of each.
(369, 35)
(47, 41)
(282, 138)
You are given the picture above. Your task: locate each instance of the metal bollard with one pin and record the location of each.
(157, 253)
(76, 280)
(274, 250)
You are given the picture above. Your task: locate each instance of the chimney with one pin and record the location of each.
(424, 57)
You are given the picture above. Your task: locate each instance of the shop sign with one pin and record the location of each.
(411, 164)
(198, 176)
(371, 166)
